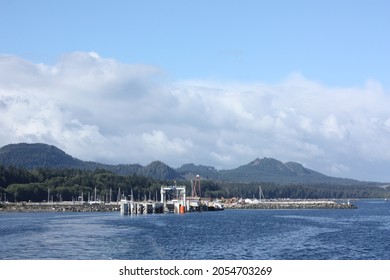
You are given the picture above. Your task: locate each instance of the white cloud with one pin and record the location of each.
(100, 109)
(159, 144)
(332, 129)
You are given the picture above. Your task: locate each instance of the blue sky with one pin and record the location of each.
(211, 82)
(335, 42)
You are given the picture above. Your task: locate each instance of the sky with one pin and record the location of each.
(216, 83)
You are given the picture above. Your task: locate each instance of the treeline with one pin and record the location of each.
(293, 191)
(42, 184)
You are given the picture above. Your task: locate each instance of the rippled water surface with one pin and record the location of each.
(362, 233)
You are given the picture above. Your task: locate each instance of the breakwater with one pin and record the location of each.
(292, 204)
(59, 207)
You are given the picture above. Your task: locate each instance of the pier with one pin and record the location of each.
(133, 208)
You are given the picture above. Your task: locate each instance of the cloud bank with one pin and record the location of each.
(100, 109)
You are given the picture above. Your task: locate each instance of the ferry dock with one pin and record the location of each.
(180, 203)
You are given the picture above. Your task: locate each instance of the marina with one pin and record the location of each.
(173, 199)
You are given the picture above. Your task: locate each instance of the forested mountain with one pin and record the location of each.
(272, 170)
(190, 170)
(159, 171)
(264, 170)
(32, 156)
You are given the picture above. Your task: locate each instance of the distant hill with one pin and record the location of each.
(37, 155)
(160, 171)
(31, 156)
(266, 170)
(190, 170)
(272, 170)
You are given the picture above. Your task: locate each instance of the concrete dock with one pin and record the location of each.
(134, 208)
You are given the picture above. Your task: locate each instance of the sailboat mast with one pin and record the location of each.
(261, 195)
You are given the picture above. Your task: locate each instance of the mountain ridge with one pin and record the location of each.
(39, 155)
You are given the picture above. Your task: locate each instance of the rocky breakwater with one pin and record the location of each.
(59, 207)
(290, 204)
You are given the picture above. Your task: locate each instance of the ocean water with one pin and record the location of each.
(362, 233)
